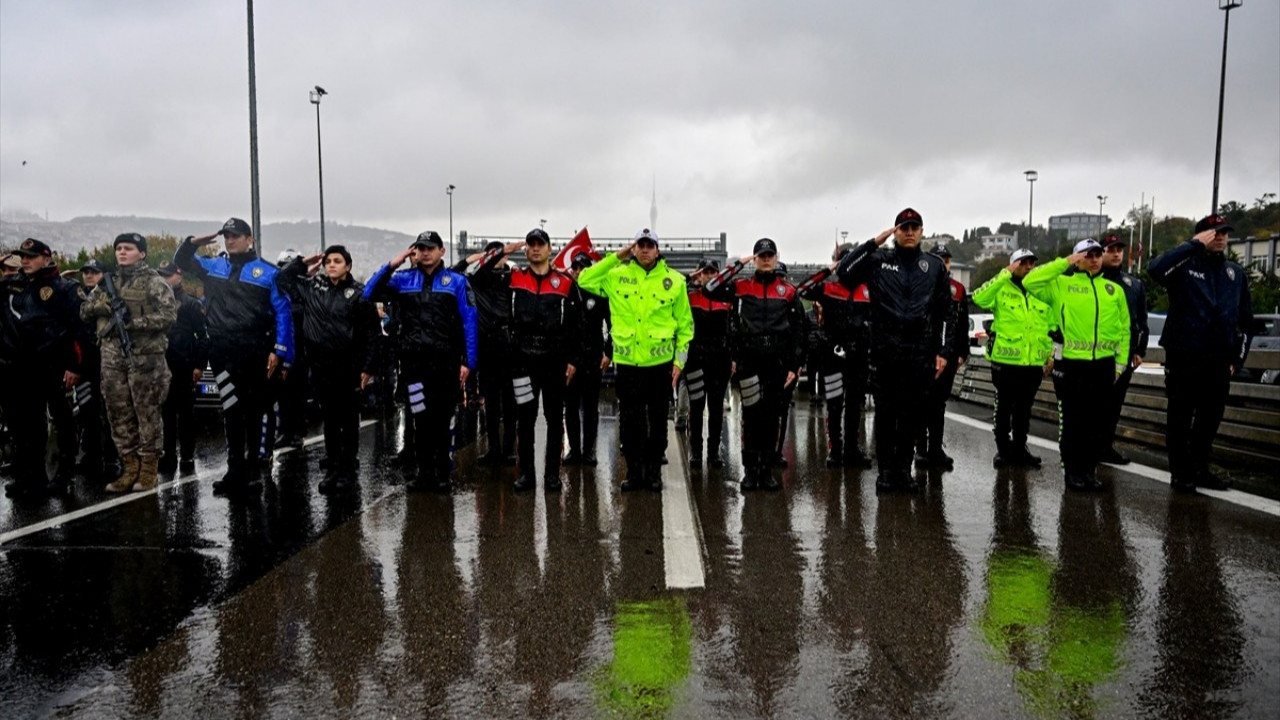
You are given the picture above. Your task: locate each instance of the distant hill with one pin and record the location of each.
(69, 237)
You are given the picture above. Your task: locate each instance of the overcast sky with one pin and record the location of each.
(787, 119)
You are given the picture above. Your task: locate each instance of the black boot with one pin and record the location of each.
(835, 458)
(941, 460)
(1077, 481)
(654, 476)
(767, 481)
(551, 476)
(635, 476)
(1112, 456)
(750, 478)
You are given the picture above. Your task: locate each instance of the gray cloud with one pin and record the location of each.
(791, 120)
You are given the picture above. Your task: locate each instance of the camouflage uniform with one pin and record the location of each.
(135, 388)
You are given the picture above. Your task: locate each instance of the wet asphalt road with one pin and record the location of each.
(987, 595)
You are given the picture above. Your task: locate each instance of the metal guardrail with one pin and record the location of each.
(1250, 427)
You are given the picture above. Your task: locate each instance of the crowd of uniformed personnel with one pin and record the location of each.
(129, 347)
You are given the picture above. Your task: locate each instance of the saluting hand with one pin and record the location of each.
(513, 247)
(398, 260)
(1205, 237)
(882, 237)
(1074, 258)
(313, 263)
(625, 252)
(203, 240)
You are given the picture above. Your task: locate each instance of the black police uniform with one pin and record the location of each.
(769, 343)
(1207, 333)
(342, 338)
(493, 304)
(910, 308)
(706, 374)
(546, 336)
(437, 316)
(100, 459)
(841, 360)
(929, 450)
(582, 397)
(248, 318)
(187, 352)
(40, 327)
(1135, 294)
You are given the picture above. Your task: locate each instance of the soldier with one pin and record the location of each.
(342, 341)
(840, 358)
(38, 347)
(438, 341)
(913, 337)
(709, 367)
(187, 356)
(133, 312)
(100, 459)
(250, 339)
(493, 305)
(1136, 296)
(546, 342)
(582, 399)
(1020, 352)
(1093, 318)
(652, 326)
(929, 452)
(768, 351)
(1206, 340)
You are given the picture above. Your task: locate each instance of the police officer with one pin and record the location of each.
(582, 400)
(438, 345)
(929, 452)
(187, 356)
(546, 342)
(710, 364)
(1136, 296)
(1020, 354)
(41, 325)
(840, 359)
(286, 426)
(652, 327)
(100, 459)
(135, 376)
(1206, 339)
(768, 350)
(493, 305)
(342, 341)
(250, 339)
(1093, 317)
(912, 337)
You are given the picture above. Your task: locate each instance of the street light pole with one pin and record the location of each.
(452, 248)
(1032, 176)
(1226, 6)
(253, 137)
(316, 94)
(1102, 200)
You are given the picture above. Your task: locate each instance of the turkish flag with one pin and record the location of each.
(581, 243)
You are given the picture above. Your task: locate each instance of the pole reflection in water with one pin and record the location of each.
(1200, 642)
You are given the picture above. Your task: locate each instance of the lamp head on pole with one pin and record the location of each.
(1032, 175)
(449, 190)
(317, 93)
(1229, 4)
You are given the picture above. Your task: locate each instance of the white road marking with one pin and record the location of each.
(1253, 502)
(105, 505)
(681, 547)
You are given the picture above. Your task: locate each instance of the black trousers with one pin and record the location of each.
(643, 396)
(537, 378)
(432, 395)
(178, 415)
(760, 382)
(844, 386)
(1119, 389)
(245, 392)
(582, 408)
(901, 388)
(1084, 401)
(1016, 387)
(706, 376)
(930, 439)
(339, 398)
(291, 399)
(95, 429)
(1197, 392)
(499, 398)
(36, 390)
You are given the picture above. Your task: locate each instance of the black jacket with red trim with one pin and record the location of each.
(546, 315)
(770, 318)
(845, 312)
(711, 324)
(960, 304)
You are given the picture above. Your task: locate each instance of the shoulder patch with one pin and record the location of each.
(46, 292)
(555, 282)
(780, 289)
(666, 283)
(1231, 273)
(923, 265)
(349, 292)
(257, 272)
(446, 280)
(1129, 281)
(1111, 289)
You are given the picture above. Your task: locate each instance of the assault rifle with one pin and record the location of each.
(119, 316)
